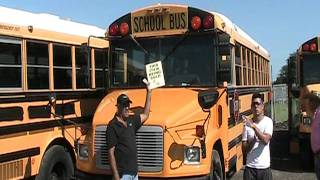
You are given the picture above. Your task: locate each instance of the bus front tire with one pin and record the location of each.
(56, 164)
(216, 172)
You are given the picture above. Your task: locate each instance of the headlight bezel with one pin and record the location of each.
(83, 151)
(191, 155)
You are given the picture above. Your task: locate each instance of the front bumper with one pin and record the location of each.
(86, 176)
(176, 178)
(80, 175)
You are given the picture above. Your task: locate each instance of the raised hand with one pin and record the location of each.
(146, 82)
(247, 122)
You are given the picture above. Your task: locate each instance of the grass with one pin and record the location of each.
(280, 112)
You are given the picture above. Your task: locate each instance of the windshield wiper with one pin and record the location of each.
(176, 46)
(140, 46)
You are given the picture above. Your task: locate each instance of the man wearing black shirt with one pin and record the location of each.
(121, 137)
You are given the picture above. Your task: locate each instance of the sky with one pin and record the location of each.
(280, 26)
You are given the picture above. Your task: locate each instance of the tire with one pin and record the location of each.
(306, 156)
(56, 165)
(216, 172)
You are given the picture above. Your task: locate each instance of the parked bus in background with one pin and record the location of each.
(211, 69)
(304, 77)
(48, 88)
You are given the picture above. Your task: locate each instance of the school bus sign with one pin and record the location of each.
(163, 21)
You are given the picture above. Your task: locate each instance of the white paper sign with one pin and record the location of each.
(155, 74)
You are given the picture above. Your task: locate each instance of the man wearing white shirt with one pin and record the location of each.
(256, 138)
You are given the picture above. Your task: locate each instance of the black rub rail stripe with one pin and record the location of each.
(42, 125)
(231, 121)
(19, 154)
(44, 96)
(234, 142)
(244, 91)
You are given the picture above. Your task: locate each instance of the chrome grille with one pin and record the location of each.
(100, 147)
(149, 148)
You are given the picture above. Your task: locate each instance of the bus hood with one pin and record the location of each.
(170, 107)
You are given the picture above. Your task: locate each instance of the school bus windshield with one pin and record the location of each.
(310, 65)
(186, 60)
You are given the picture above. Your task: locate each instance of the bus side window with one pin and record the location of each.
(101, 67)
(224, 58)
(120, 67)
(62, 67)
(38, 65)
(82, 72)
(10, 61)
(224, 69)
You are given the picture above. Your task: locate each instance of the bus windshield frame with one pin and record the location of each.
(187, 60)
(310, 73)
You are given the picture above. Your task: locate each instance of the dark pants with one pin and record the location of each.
(257, 174)
(317, 165)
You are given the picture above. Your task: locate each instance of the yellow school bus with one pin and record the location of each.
(51, 81)
(305, 80)
(211, 69)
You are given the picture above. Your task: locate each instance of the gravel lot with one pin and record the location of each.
(284, 166)
(283, 175)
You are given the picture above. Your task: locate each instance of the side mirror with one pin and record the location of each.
(295, 92)
(207, 99)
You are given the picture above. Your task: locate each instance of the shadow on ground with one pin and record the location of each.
(283, 165)
(281, 159)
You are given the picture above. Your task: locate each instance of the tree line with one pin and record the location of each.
(287, 73)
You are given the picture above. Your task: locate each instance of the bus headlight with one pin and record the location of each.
(191, 155)
(83, 151)
(307, 120)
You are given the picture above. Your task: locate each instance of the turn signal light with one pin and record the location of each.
(199, 131)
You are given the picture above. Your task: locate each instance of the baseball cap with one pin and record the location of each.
(123, 100)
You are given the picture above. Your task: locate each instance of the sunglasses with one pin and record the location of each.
(256, 103)
(123, 106)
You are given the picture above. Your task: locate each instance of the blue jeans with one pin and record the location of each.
(129, 177)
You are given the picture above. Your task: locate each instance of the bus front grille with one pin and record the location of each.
(149, 141)
(12, 170)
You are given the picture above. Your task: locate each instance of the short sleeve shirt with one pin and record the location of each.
(259, 156)
(124, 140)
(248, 133)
